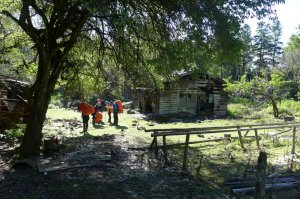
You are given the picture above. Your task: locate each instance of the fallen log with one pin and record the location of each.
(246, 182)
(269, 187)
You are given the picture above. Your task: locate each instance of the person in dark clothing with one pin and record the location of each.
(98, 105)
(115, 113)
(85, 120)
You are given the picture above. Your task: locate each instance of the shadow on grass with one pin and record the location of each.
(99, 126)
(121, 127)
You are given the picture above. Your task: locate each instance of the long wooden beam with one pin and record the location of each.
(173, 132)
(220, 127)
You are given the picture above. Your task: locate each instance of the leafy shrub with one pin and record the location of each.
(16, 132)
(240, 100)
(52, 106)
(57, 103)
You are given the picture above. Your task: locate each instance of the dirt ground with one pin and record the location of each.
(123, 173)
(114, 162)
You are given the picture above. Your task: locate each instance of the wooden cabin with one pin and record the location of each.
(201, 95)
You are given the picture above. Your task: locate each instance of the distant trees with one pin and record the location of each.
(262, 48)
(290, 64)
(276, 43)
(260, 89)
(267, 47)
(262, 80)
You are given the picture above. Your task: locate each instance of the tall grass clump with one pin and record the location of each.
(289, 107)
(243, 108)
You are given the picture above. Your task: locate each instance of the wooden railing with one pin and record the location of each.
(214, 130)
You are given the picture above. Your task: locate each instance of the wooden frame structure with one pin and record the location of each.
(192, 94)
(210, 130)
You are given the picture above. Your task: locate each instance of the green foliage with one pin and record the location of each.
(237, 110)
(290, 107)
(242, 108)
(290, 64)
(17, 58)
(249, 111)
(294, 41)
(57, 103)
(240, 100)
(16, 132)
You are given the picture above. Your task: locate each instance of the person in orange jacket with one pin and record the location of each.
(109, 108)
(86, 109)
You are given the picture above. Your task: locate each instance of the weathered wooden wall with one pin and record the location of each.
(184, 96)
(169, 100)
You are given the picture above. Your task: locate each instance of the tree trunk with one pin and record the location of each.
(261, 176)
(275, 108)
(31, 141)
(41, 94)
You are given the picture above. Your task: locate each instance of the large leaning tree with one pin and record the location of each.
(127, 30)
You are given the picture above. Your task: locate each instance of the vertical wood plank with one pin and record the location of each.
(294, 140)
(257, 139)
(240, 137)
(184, 164)
(155, 144)
(165, 149)
(152, 144)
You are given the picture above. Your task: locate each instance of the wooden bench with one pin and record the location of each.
(212, 130)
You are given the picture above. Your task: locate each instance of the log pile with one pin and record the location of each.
(277, 183)
(13, 103)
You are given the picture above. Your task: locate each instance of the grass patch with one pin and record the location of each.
(221, 160)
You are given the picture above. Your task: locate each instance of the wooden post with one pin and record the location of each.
(165, 149)
(184, 164)
(257, 138)
(241, 139)
(261, 175)
(152, 144)
(294, 140)
(155, 144)
(200, 164)
(247, 132)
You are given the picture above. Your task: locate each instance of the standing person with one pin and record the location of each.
(85, 109)
(115, 113)
(98, 107)
(109, 108)
(85, 120)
